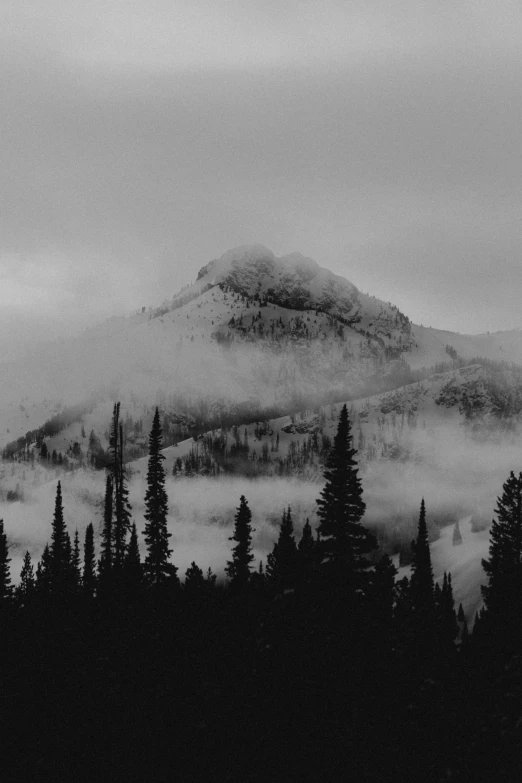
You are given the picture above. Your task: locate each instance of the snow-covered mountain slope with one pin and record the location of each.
(254, 333)
(468, 406)
(429, 346)
(210, 343)
(297, 282)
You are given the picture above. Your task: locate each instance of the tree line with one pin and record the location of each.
(318, 664)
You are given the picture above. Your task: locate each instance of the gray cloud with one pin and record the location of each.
(140, 140)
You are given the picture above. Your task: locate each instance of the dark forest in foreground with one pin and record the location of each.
(320, 666)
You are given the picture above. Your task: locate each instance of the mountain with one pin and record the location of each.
(293, 344)
(249, 366)
(299, 283)
(255, 336)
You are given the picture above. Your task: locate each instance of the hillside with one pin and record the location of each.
(273, 335)
(249, 366)
(260, 345)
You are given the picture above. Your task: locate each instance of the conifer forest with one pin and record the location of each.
(318, 664)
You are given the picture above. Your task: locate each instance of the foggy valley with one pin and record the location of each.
(260, 504)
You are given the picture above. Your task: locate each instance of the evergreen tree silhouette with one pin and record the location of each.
(44, 572)
(281, 561)
(460, 614)
(194, 579)
(503, 593)
(258, 579)
(445, 609)
(68, 549)
(133, 567)
(122, 507)
(156, 504)
(306, 555)
(210, 578)
(421, 582)
(5, 571)
(60, 549)
(105, 563)
(27, 583)
(344, 543)
(239, 568)
(76, 570)
(89, 563)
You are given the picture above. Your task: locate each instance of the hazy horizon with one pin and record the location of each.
(140, 142)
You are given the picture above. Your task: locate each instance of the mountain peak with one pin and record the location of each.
(241, 256)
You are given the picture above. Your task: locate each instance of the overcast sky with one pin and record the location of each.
(142, 138)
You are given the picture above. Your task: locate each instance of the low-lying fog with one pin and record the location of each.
(458, 479)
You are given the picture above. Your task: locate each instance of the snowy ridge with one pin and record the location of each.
(265, 331)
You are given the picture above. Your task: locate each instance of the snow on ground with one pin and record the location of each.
(431, 346)
(463, 561)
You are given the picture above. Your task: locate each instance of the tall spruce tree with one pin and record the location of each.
(122, 507)
(239, 568)
(503, 593)
(105, 563)
(343, 541)
(282, 560)
(76, 570)
(60, 549)
(156, 504)
(89, 567)
(5, 571)
(421, 582)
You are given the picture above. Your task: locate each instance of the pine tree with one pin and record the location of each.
(194, 579)
(122, 507)
(89, 562)
(26, 586)
(60, 549)
(133, 568)
(281, 561)
(105, 564)
(44, 572)
(238, 569)
(76, 571)
(460, 614)
(503, 594)
(344, 542)
(445, 609)
(114, 442)
(421, 582)
(5, 571)
(156, 503)
(306, 555)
